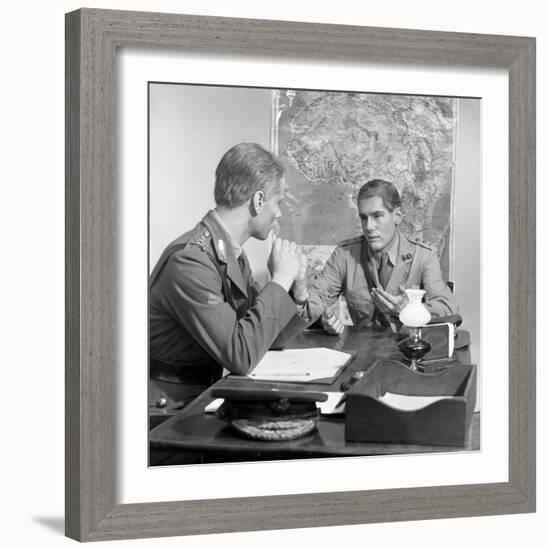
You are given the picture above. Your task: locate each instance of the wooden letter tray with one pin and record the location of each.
(443, 422)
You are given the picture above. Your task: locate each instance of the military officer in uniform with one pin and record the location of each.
(206, 311)
(373, 269)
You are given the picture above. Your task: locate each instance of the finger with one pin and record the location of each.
(401, 289)
(376, 298)
(388, 297)
(336, 326)
(376, 293)
(273, 234)
(383, 293)
(335, 322)
(303, 269)
(327, 327)
(380, 303)
(385, 303)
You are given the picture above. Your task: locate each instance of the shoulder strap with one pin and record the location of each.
(176, 248)
(166, 255)
(352, 240)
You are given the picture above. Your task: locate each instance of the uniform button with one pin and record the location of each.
(357, 375)
(161, 402)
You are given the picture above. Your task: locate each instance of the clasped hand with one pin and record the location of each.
(286, 262)
(299, 288)
(333, 324)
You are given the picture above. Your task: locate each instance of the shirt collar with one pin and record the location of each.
(233, 244)
(391, 249)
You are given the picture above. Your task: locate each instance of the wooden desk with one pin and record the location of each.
(192, 430)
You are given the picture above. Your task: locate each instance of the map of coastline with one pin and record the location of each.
(333, 142)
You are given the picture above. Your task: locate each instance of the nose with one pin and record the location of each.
(369, 223)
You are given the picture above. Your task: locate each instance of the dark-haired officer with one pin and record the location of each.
(372, 270)
(206, 311)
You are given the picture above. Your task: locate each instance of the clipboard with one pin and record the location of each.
(303, 366)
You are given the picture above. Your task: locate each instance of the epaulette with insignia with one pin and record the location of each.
(201, 239)
(352, 240)
(420, 242)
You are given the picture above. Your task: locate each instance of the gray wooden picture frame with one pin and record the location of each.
(92, 39)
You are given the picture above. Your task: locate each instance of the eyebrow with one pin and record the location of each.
(371, 213)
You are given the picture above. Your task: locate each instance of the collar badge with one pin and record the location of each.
(221, 250)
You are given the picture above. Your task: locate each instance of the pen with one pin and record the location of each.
(342, 400)
(265, 374)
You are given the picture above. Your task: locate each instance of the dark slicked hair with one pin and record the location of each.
(243, 170)
(383, 189)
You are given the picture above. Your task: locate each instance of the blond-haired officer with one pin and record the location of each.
(206, 311)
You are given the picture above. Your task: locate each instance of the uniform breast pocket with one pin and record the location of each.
(360, 307)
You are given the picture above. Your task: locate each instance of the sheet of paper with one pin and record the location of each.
(409, 402)
(213, 406)
(299, 365)
(333, 405)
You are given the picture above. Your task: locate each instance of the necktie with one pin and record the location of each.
(246, 271)
(247, 278)
(384, 271)
(244, 265)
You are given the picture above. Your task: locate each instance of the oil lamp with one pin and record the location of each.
(414, 316)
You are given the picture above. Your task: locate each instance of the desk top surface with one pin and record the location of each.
(193, 429)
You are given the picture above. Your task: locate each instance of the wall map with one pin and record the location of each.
(334, 142)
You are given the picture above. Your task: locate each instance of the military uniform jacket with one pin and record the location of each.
(351, 271)
(204, 312)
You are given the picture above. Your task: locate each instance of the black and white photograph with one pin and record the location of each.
(271, 275)
(314, 273)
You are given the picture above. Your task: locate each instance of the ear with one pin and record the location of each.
(398, 215)
(257, 201)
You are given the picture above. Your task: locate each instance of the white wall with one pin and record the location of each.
(467, 236)
(192, 127)
(32, 274)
